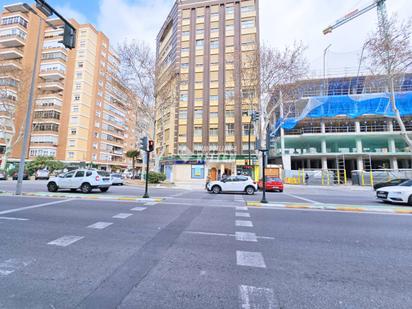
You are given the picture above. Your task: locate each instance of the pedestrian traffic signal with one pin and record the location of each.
(144, 141)
(151, 146)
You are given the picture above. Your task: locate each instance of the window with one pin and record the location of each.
(230, 129)
(198, 171)
(200, 31)
(214, 98)
(213, 131)
(229, 94)
(247, 9)
(79, 75)
(79, 174)
(214, 44)
(72, 143)
(245, 129)
(75, 109)
(246, 24)
(183, 114)
(229, 10)
(77, 97)
(230, 114)
(230, 28)
(73, 131)
(214, 30)
(199, 44)
(78, 86)
(183, 97)
(198, 114)
(184, 65)
(214, 114)
(71, 156)
(213, 147)
(88, 173)
(214, 15)
(185, 50)
(186, 33)
(198, 131)
(80, 64)
(74, 119)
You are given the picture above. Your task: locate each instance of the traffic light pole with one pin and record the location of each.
(264, 200)
(146, 193)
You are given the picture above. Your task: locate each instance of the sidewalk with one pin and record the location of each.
(334, 187)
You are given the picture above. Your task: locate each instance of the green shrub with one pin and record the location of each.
(156, 177)
(44, 162)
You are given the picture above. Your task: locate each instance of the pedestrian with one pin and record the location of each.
(306, 178)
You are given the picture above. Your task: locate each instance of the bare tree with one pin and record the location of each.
(153, 88)
(270, 74)
(389, 54)
(13, 96)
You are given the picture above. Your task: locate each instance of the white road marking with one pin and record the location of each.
(302, 198)
(151, 203)
(244, 223)
(11, 218)
(9, 211)
(253, 297)
(65, 241)
(243, 214)
(241, 208)
(122, 216)
(100, 225)
(11, 265)
(251, 259)
(245, 236)
(138, 208)
(223, 234)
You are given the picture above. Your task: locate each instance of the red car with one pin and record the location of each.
(272, 184)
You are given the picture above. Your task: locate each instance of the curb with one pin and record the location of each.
(88, 197)
(348, 208)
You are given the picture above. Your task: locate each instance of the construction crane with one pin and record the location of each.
(380, 4)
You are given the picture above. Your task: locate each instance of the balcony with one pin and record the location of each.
(9, 65)
(11, 53)
(51, 86)
(52, 74)
(12, 40)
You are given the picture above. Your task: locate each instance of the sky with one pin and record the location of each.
(281, 22)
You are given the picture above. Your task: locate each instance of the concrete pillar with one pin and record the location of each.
(359, 146)
(359, 161)
(394, 163)
(357, 126)
(323, 146)
(390, 126)
(324, 163)
(322, 127)
(308, 164)
(392, 145)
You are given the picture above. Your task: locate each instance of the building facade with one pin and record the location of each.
(347, 124)
(203, 46)
(81, 112)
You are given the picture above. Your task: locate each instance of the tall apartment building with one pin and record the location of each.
(81, 113)
(203, 113)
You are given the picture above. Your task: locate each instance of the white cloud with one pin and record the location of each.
(142, 20)
(281, 22)
(68, 12)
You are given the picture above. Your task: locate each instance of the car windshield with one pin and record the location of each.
(272, 179)
(407, 183)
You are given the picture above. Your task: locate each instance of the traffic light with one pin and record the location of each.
(144, 143)
(69, 36)
(151, 146)
(255, 116)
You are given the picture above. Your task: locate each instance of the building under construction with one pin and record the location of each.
(346, 124)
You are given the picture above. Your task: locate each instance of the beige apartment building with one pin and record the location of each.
(203, 103)
(81, 112)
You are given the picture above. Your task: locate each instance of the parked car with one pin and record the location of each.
(390, 183)
(117, 179)
(3, 175)
(243, 184)
(16, 175)
(396, 194)
(42, 174)
(272, 184)
(84, 179)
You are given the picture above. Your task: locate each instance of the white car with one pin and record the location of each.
(42, 174)
(83, 179)
(233, 184)
(117, 179)
(396, 194)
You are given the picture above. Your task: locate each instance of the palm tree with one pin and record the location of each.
(133, 154)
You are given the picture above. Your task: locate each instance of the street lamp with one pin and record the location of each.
(324, 67)
(263, 200)
(69, 41)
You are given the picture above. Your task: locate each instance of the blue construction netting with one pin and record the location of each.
(352, 106)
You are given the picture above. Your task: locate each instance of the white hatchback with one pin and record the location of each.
(83, 179)
(233, 184)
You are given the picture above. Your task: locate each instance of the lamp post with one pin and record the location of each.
(324, 67)
(263, 200)
(69, 36)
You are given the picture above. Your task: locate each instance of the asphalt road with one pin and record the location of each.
(294, 194)
(209, 251)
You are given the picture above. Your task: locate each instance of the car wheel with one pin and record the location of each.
(104, 189)
(410, 200)
(280, 191)
(52, 187)
(250, 190)
(216, 190)
(86, 188)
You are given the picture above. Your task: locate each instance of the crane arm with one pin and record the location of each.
(352, 15)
